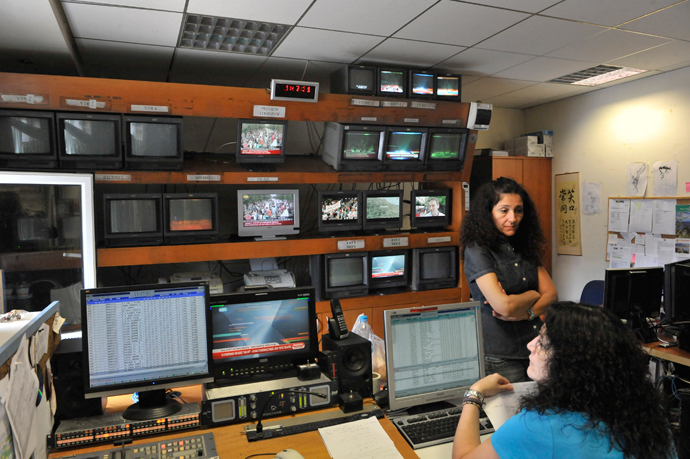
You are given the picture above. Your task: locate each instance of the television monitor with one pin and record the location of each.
(190, 218)
(340, 211)
(153, 142)
(268, 332)
(354, 79)
(260, 142)
(448, 87)
(145, 339)
(433, 353)
(133, 219)
(27, 140)
(677, 291)
(392, 82)
(422, 85)
(405, 148)
(430, 208)
(351, 147)
(267, 215)
(434, 268)
(89, 141)
(389, 269)
(446, 149)
(383, 209)
(339, 275)
(634, 294)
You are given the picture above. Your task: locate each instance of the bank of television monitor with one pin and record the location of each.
(145, 339)
(433, 353)
(90, 141)
(351, 147)
(677, 291)
(434, 268)
(261, 141)
(340, 275)
(27, 140)
(392, 82)
(266, 214)
(340, 211)
(266, 332)
(383, 209)
(133, 219)
(405, 148)
(446, 149)
(190, 218)
(430, 208)
(448, 87)
(389, 268)
(422, 85)
(354, 79)
(153, 142)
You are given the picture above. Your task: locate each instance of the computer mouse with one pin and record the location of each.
(289, 454)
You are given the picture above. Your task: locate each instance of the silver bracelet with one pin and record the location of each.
(476, 394)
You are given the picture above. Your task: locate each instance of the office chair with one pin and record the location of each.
(593, 293)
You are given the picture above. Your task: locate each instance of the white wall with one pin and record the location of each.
(598, 134)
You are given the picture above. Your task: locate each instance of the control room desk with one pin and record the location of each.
(672, 354)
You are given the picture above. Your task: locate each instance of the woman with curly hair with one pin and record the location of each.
(593, 398)
(502, 246)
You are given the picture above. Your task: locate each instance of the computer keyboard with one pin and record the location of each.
(436, 427)
(198, 446)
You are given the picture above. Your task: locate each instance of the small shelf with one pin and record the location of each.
(41, 261)
(426, 297)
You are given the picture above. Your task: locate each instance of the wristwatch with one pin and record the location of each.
(531, 314)
(476, 394)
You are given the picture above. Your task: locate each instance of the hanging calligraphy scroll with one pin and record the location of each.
(568, 240)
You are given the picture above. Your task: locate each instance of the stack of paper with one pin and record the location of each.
(362, 439)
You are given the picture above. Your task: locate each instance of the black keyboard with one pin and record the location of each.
(200, 446)
(436, 427)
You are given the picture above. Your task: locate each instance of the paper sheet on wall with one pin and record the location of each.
(363, 439)
(665, 175)
(621, 256)
(619, 211)
(664, 220)
(21, 401)
(636, 180)
(504, 406)
(591, 198)
(640, 215)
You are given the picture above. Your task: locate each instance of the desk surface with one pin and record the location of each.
(672, 354)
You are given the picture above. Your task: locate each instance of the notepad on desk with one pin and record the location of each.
(362, 439)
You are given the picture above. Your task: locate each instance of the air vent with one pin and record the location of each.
(597, 75)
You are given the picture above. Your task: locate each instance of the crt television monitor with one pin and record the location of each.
(340, 211)
(446, 149)
(354, 79)
(351, 147)
(430, 208)
(89, 141)
(153, 142)
(448, 87)
(677, 291)
(389, 268)
(260, 141)
(133, 219)
(405, 148)
(190, 218)
(434, 268)
(145, 339)
(422, 85)
(340, 275)
(392, 82)
(382, 209)
(267, 214)
(266, 332)
(27, 140)
(433, 353)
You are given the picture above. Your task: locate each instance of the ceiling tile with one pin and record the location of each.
(544, 69)
(608, 12)
(382, 17)
(455, 23)
(529, 6)
(276, 11)
(213, 67)
(125, 60)
(509, 101)
(482, 62)
(123, 24)
(324, 45)
(671, 22)
(548, 91)
(608, 45)
(409, 53)
(657, 58)
(165, 5)
(491, 87)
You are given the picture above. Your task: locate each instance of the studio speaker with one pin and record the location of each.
(349, 361)
(68, 382)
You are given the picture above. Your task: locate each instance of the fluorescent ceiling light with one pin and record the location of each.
(597, 75)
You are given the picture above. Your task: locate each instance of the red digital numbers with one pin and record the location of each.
(297, 88)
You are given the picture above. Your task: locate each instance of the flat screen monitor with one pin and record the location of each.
(153, 142)
(351, 147)
(422, 84)
(389, 269)
(434, 268)
(383, 209)
(340, 211)
(89, 141)
(267, 214)
(339, 275)
(27, 140)
(448, 87)
(262, 333)
(392, 82)
(446, 149)
(133, 219)
(145, 339)
(354, 79)
(260, 142)
(433, 353)
(677, 291)
(190, 218)
(405, 149)
(430, 208)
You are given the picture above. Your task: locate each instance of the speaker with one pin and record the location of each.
(349, 361)
(68, 381)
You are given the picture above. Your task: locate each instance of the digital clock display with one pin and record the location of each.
(303, 91)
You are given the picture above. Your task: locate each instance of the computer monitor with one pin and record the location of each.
(354, 79)
(190, 218)
(262, 333)
(267, 214)
(153, 142)
(392, 82)
(434, 268)
(352, 147)
(133, 219)
(389, 269)
(340, 211)
(433, 353)
(89, 141)
(260, 142)
(448, 87)
(422, 85)
(430, 208)
(405, 148)
(145, 339)
(27, 140)
(677, 291)
(339, 275)
(382, 209)
(446, 149)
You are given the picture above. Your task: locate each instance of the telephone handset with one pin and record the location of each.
(337, 327)
(277, 278)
